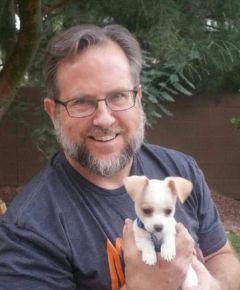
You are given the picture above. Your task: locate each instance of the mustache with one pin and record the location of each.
(98, 131)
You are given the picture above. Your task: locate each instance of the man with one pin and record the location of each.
(64, 229)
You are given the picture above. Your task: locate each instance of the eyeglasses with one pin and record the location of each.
(84, 106)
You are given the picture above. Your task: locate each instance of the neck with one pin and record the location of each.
(107, 182)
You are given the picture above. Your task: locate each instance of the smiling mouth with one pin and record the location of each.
(104, 138)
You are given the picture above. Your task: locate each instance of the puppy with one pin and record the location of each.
(154, 229)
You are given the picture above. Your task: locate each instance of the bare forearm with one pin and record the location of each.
(225, 268)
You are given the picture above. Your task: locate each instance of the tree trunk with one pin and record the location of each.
(19, 60)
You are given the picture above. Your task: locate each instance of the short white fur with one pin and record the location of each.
(155, 202)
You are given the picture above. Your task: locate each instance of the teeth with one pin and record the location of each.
(104, 138)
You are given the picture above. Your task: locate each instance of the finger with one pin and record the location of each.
(179, 227)
(130, 250)
(182, 232)
(128, 235)
(127, 225)
(201, 273)
(127, 229)
(199, 268)
(184, 243)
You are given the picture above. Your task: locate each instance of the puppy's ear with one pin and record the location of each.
(179, 186)
(135, 185)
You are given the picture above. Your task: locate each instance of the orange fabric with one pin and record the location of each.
(114, 261)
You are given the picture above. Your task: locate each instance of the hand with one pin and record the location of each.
(164, 275)
(205, 280)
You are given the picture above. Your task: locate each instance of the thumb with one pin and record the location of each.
(129, 244)
(128, 235)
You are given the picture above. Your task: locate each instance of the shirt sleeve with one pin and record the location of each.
(211, 231)
(29, 261)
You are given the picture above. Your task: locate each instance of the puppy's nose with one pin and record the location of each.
(158, 228)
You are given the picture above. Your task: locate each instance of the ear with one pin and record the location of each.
(179, 186)
(135, 185)
(50, 108)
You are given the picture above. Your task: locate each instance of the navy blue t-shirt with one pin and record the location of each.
(62, 232)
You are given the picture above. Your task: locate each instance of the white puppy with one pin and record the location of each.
(155, 202)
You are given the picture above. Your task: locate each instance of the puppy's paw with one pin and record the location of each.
(149, 258)
(168, 252)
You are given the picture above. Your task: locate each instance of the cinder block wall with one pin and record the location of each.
(19, 159)
(200, 127)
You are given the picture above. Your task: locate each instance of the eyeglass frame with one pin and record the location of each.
(65, 103)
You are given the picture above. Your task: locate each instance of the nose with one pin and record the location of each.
(158, 228)
(103, 116)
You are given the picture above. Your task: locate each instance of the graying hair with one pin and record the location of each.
(79, 38)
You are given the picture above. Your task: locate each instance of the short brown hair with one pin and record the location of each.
(78, 38)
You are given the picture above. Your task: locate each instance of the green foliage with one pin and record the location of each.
(235, 242)
(236, 121)
(161, 83)
(201, 38)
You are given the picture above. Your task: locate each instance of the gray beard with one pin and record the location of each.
(86, 159)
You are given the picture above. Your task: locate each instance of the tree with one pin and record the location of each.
(19, 47)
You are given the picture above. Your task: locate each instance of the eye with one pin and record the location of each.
(80, 105)
(81, 102)
(168, 211)
(147, 211)
(118, 98)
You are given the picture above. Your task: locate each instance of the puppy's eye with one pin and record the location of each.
(147, 211)
(167, 211)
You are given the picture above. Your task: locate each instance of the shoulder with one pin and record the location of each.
(38, 202)
(163, 152)
(169, 161)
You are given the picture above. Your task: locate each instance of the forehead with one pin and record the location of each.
(99, 69)
(158, 193)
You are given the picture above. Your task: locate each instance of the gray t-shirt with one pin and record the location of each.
(62, 232)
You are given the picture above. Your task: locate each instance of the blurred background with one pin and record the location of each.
(191, 80)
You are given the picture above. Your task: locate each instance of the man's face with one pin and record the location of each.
(104, 142)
